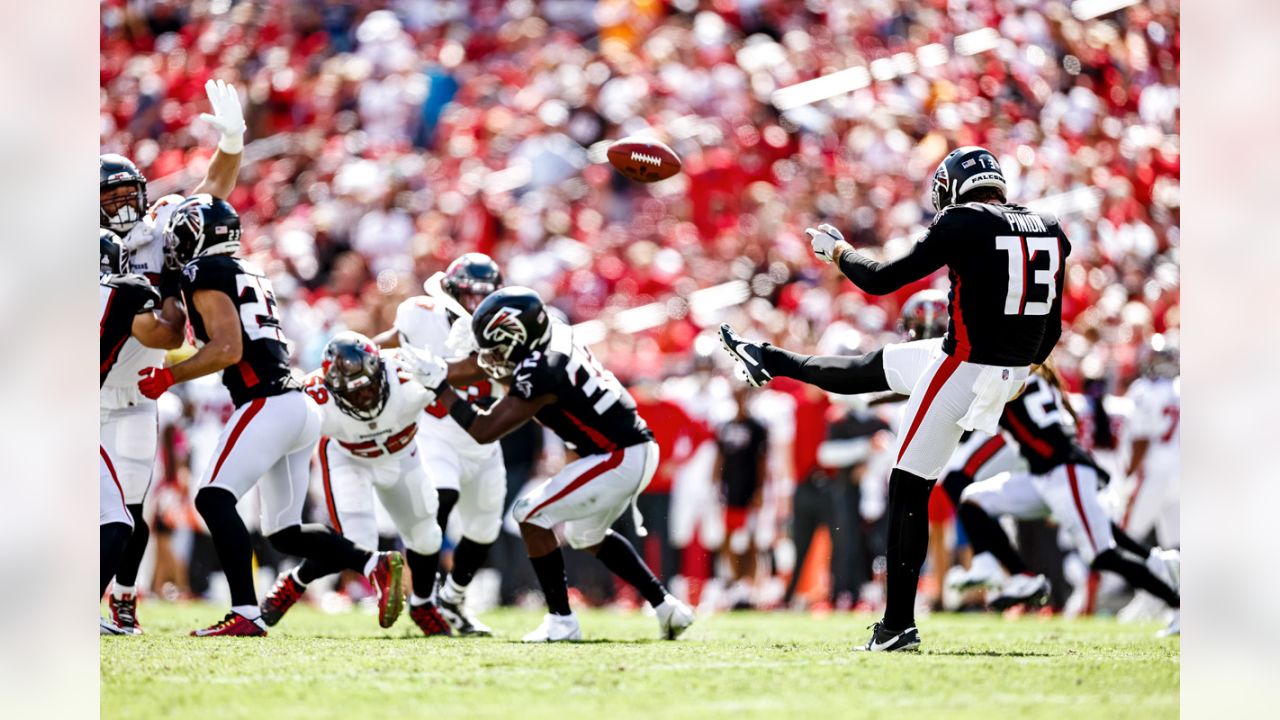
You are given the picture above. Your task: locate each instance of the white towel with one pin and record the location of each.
(994, 386)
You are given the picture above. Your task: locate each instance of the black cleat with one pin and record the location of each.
(746, 354)
(885, 640)
(461, 619)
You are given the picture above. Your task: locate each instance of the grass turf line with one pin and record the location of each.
(748, 665)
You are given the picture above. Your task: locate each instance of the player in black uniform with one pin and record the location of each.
(559, 383)
(1062, 481)
(1005, 265)
(233, 313)
(742, 445)
(127, 308)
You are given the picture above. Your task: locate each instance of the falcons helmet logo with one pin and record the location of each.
(505, 328)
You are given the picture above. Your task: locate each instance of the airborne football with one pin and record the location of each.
(640, 359)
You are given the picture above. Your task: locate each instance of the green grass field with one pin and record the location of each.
(742, 665)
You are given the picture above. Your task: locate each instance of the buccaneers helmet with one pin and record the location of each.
(925, 315)
(964, 170)
(356, 375)
(509, 325)
(471, 278)
(201, 225)
(120, 210)
(113, 258)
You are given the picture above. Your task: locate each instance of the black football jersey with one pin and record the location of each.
(592, 412)
(1046, 439)
(263, 369)
(1006, 268)
(120, 299)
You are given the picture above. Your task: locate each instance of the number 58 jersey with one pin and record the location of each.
(383, 437)
(263, 370)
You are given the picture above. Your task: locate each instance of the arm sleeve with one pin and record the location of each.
(883, 278)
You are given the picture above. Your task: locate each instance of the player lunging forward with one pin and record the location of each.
(1005, 264)
(274, 429)
(560, 384)
(370, 405)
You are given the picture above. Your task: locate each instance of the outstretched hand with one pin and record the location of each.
(227, 116)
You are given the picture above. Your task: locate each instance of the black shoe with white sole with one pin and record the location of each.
(885, 640)
(463, 622)
(747, 353)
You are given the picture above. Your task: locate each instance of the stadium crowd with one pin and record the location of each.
(389, 137)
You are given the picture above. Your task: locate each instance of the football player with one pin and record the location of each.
(272, 433)
(471, 477)
(558, 382)
(1152, 430)
(370, 405)
(1005, 265)
(126, 309)
(128, 420)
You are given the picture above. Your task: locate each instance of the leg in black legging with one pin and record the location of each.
(1126, 542)
(131, 560)
(841, 374)
(1137, 575)
(231, 540)
(986, 535)
(112, 538)
(908, 545)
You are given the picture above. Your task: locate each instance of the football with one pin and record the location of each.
(643, 159)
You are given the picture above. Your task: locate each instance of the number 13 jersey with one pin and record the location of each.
(592, 412)
(263, 370)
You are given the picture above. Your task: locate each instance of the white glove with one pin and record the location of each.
(828, 243)
(430, 371)
(227, 117)
(461, 340)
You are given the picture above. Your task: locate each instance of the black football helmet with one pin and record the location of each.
(509, 325)
(471, 278)
(925, 315)
(963, 170)
(356, 375)
(201, 225)
(120, 210)
(113, 258)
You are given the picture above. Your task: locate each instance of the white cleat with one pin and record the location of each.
(106, 627)
(556, 628)
(1174, 627)
(674, 617)
(983, 572)
(1030, 590)
(1166, 565)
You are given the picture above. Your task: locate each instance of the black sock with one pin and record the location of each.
(231, 540)
(986, 535)
(131, 560)
(112, 539)
(555, 588)
(1137, 575)
(423, 569)
(468, 557)
(448, 498)
(620, 556)
(312, 570)
(908, 545)
(320, 543)
(1126, 542)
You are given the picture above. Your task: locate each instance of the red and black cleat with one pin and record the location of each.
(233, 625)
(283, 595)
(387, 579)
(429, 619)
(124, 613)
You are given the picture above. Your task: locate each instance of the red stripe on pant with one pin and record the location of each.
(250, 410)
(984, 454)
(328, 487)
(940, 377)
(1075, 495)
(114, 478)
(609, 463)
(1133, 498)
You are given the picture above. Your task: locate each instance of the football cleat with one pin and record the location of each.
(283, 595)
(556, 628)
(1166, 565)
(983, 572)
(387, 579)
(1024, 589)
(747, 353)
(461, 619)
(233, 625)
(674, 617)
(124, 613)
(429, 620)
(1174, 627)
(885, 640)
(106, 627)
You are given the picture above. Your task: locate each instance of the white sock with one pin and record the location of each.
(415, 601)
(294, 574)
(373, 561)
(250, 612)
(119, 591)
(452, 591)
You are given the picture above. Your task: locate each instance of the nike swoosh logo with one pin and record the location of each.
(880, 646)
(745, 356)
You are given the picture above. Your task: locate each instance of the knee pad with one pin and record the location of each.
(483, 530)
(424, 538)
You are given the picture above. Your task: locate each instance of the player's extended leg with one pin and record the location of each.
(410, 499)
(480, 501)
(980, 504)
(842, 374)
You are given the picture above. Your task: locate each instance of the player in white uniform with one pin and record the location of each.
(129, 426)
(470, 477)
(1153, 435)
(369, 406)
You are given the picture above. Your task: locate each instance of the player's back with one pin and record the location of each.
(1006, 270)
(120, 299)
(593, 413)
(263, 370)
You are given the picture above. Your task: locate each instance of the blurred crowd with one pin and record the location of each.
(386, 138)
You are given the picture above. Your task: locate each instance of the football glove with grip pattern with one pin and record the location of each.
(828, 243)
(227, 116)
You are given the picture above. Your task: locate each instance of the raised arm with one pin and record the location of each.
(228, 118)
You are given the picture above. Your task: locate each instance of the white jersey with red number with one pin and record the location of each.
(1157, 406)
(146, 257)
(386, 436)
(424, 323)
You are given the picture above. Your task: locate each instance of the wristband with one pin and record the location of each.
(462, 413)
(232, 144)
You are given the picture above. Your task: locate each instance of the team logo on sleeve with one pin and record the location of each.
(524, 385)
(505, 327)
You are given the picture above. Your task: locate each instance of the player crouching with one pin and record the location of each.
(559, 383)
(370, 407)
